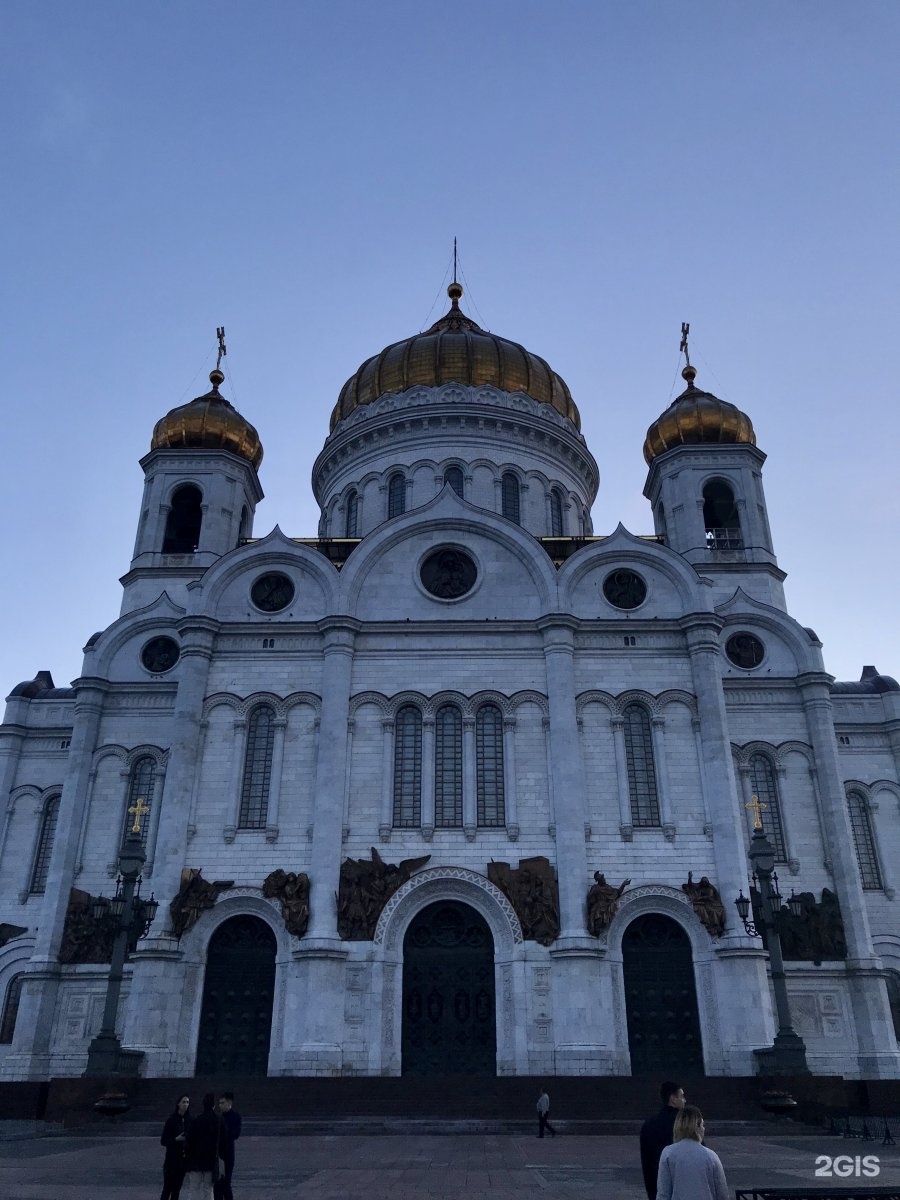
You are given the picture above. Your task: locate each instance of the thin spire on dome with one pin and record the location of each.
(455, 290)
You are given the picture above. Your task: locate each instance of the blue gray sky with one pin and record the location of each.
(297, 171)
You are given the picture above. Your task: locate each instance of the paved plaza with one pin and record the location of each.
(392, 1167)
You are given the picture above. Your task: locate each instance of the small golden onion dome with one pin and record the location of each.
(208, 423)
(455, 350)
(695, 418)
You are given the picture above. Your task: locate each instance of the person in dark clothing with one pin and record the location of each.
(174, 1138)
(206, 1138)
(543, 1112)
(656, 1133)
(232, 1120)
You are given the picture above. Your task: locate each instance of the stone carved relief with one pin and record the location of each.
(8, 932)
(533, 891)
(706, 903)
(195, 895)
(292, 889)
(453, 883)
(816, 936)
(365, 887)
(84, 940)
(602, 903)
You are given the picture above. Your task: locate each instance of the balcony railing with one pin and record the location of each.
(724, 540)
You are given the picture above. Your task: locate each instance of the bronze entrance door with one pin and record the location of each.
(236, 1015)
(449, 1026)
(661, 999)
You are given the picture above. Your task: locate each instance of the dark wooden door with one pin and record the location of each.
(236, 1015)
(661, 999)
(449, 1026)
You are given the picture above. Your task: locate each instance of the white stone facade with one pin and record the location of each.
(562, 665)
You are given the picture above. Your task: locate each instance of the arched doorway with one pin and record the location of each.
(449, 1026)
(661, 999)
(236, 1014)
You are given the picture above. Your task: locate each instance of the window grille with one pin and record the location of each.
(765, 788)
(396, 495)
(408, 768)
(352, 514)
(10, 1010)
(864, 841)
(45, 847)
(641, 770)
(257, 768)
(509, 493)
(448, 770)
(556, 514)
(489, 765)
(454, 476)
(141, 786)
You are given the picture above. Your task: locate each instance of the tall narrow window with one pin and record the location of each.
(454, 476)
(556, 513)
(245, 523)
(408, 768)
(765, 788)
(448, 776)
(720, 516)
(489, 765)
(184, 521)
(864, 841)
(257, 768)
(509, 495)
(10, 1010)
(141, 786)
(352, 514)
(396, 495)
(44, 847)
(641, 770)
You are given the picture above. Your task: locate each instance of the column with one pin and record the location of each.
(470, 780)
(744, 999)
(509, 778)
(868, 991)
(428, 778)
(275, 779)
(701, 768)
(11, 739)
(387, 779)
(236, 776)
(30, 1053)
(626, 824)
(658, 737)
(195, 790)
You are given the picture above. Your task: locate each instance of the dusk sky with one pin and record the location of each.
(297, 172)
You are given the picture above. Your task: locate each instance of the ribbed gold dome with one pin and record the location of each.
(208, 423)
(455, 350)
(695, 418)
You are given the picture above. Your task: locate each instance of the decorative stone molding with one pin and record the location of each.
(451, 883)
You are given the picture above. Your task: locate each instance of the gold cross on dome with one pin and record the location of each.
(220, 334)
(138, 810)
(685, 330)
(756, 806)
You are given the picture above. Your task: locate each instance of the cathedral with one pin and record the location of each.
(456, 785)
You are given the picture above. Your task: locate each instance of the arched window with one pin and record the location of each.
(509, 495)
(448, 775)
(10, 1010)
(408, 768)
(720, 517)
(352, 514)
(141, 786)
(556, 513)
(244, 531)
(184, 521)
(44, 847)
(864, 841)
(641, 770)
(489, 765)
(396, 495)
(765, 788)
(454, 476)
(661, 522)
(585, 523)
(257, 768)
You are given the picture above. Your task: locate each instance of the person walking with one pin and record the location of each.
(174, 1138)
(543, 1111)
(205, 1140)
(232, 1121)
(687, 1169)
(656, 1133)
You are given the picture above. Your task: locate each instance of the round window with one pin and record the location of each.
(745, 650)
(448, 574)
(624, 589)
(272, 592)
(160, 654)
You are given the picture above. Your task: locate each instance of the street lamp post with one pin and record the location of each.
(129, 916)
(787, 1055)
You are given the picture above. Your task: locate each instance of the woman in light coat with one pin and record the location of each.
(687, 1170)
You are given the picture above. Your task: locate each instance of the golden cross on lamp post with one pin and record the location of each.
(754, 804)
(138, 810)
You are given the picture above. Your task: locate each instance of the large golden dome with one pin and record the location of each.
(695, 418)
(208, 423)
(455, 350)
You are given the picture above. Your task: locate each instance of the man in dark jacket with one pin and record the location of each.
(656, 1133)
(231, 1119)
(205, 1140)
